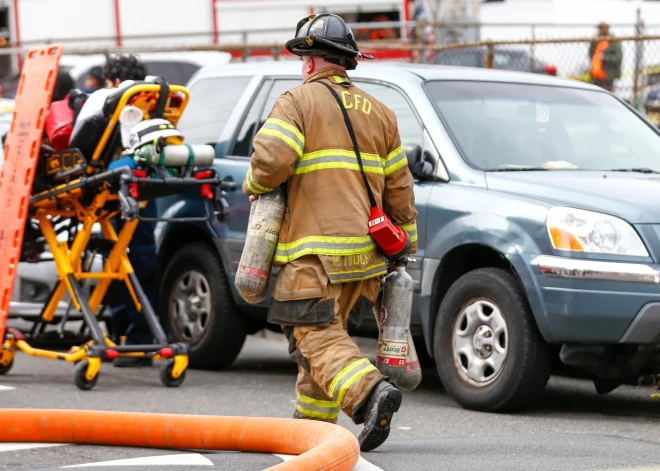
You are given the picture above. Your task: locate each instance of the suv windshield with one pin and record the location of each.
(506, 126)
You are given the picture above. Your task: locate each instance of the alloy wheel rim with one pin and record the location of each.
(190, 306)
(480, 342)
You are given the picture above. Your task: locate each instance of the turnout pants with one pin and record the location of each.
(315, 315)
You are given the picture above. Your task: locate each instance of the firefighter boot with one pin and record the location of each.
(381, 405)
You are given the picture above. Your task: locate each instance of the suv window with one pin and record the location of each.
(410, 129)
(268, 94)
(175, 72)
(279, 87)
(243, 144)
(211, 103)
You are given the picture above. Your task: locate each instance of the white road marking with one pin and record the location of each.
(26, 446)
(405, 428)
(635, 469)
(361, 465)
(189, 459)
(6, 388)
(364, 465)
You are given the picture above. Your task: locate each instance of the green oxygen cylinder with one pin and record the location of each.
(175, 155)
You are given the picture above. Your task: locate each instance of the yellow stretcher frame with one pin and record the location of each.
(67, 200)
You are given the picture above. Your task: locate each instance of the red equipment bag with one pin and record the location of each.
(59, 124)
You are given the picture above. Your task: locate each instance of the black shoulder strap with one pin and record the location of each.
(349, 126)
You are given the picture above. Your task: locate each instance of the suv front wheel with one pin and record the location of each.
(489, 353)
(196, 307)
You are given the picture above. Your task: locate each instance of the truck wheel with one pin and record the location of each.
(489, 353)
(196, 308)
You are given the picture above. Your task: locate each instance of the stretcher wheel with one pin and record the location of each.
(5, 369)
(166, 375)
(81, 380)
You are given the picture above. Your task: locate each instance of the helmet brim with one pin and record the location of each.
(324, 47)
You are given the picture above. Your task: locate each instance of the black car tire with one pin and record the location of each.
(527, 363)
(225, 333)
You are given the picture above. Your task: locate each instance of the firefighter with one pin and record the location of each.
(330, 266)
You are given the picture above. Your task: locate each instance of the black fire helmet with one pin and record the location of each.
(328, 36)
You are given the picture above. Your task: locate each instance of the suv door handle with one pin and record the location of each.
(229, 184)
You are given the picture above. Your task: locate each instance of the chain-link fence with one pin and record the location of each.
(630, 67)
(632, 64)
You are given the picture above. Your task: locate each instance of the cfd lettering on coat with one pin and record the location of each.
(355, 102)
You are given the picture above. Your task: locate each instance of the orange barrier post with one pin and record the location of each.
(320, 445)
(22, 147)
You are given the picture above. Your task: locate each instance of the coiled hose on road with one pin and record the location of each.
(320, 446)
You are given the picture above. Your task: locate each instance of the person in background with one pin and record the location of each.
(63, 85)
(94, 80)
(606, 59)
(119, 72)
(378, 34)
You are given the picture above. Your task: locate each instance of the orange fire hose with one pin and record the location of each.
(320, 446)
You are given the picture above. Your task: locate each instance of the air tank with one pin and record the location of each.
(264, 224)
(394, 323)
(176, 155)
(413, 375)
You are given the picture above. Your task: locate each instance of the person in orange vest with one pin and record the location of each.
(378, 34)
(606, 59)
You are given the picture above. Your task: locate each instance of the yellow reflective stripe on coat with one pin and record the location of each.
(253, 185)
(411, 230)
(337, 158)
(347, 377)
(395, 160)
(311, 407)
(285, 132)
(341, 80)
(358, 274)
(323, 245)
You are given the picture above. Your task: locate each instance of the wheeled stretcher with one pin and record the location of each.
(89, 183)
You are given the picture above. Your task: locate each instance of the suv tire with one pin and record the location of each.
(195, 285)
(489, 353)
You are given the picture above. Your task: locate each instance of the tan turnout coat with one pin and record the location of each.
(305, 144)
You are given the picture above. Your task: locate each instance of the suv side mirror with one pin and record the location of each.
(414, 156)
(420, 167)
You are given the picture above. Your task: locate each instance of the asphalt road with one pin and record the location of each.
(569, 428)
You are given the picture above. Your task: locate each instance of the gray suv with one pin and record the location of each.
(539, 226)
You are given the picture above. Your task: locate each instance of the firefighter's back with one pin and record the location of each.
(327, 194)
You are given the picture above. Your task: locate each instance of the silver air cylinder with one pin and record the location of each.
(413, 375)
(394, 323)
(253, 274)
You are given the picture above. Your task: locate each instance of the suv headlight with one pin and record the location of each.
(587, 231)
